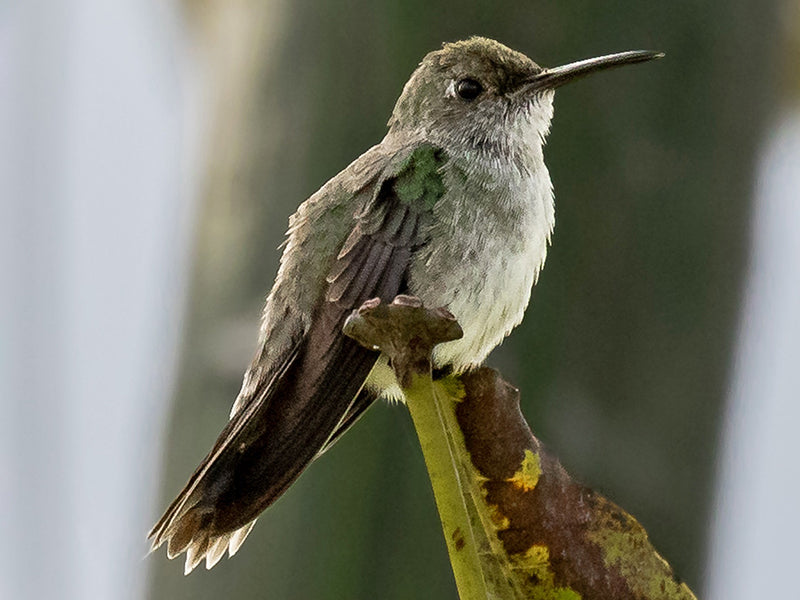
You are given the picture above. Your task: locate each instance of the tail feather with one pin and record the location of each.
(216, 550)
(263, 449)
(190, 536)
(186, 525)
(238, 537)
(195, 553)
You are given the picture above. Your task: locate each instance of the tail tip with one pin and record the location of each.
(190, 537)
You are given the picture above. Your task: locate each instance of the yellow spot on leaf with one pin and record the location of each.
(535, 563)
(537, 560)
(528, 475)
(499, 520)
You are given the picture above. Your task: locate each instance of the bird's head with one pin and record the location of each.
(478, 94)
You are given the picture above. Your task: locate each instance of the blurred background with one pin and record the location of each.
(151, 152)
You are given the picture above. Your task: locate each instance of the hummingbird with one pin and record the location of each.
(454, 206)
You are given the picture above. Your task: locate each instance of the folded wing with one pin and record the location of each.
(313, 396)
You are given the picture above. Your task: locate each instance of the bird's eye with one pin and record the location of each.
(469, 89)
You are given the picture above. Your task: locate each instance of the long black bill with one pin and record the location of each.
(550, 79)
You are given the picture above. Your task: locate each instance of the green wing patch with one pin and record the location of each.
(419, 180)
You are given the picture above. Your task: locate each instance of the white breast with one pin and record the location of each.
(490, 242)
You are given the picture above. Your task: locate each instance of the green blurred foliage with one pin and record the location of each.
(623, 356)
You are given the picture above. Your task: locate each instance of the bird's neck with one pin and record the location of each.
(492, 153)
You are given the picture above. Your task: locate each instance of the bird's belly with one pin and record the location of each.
(488, 293)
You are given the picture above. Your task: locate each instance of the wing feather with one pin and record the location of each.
(314, 395)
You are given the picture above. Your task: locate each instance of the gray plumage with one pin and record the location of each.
(454, 206)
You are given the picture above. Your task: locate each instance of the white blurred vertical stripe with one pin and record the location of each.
(755, 527)
(97, 165)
